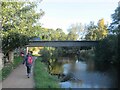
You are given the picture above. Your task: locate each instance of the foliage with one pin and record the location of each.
(60, 34)
(115, 25)
(42, 78)
(13, 40)
(72, 36)
(96, 32)
(76, 31)
(115, 29)
(87, 54)
(106, 52)
(18, 19)
(45, 54)
(118, 50)
(51, 54)
(50, 34)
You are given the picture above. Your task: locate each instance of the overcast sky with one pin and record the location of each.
(63, 13)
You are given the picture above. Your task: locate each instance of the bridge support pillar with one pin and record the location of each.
(26, 50)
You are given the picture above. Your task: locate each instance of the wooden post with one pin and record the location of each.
(11, 56)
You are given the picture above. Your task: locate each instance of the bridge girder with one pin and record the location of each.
(62, 43)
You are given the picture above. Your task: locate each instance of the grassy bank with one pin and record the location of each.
(7, 69)
(42, 78)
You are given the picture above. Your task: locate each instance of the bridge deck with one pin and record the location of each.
(62, 43)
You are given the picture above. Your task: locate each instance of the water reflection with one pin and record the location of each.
(56, 68)
(78, 75)
(66, 68)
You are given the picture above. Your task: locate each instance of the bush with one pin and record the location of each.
(45, 54)
(106, 52)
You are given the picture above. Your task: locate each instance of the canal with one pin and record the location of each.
(82, 74)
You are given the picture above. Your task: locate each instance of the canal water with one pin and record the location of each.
(81, 74)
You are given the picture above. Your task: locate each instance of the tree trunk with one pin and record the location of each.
(1, 59)
(11, 56)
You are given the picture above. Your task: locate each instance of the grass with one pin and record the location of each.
(7, 69)
(42, 78)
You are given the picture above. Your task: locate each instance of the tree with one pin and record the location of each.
(18, 19)
(96, 32)
(61, 34)
(50, 34)
(91, 32)
(108, 51)
(115, 29)
(102, 29)
(105, 52)
(72, 36)
(76, 31)
(115, 25)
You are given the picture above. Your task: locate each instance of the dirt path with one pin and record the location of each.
(18, 79)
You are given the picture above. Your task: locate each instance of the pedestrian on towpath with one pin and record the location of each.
(28, 61)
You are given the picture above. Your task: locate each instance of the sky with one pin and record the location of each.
(63, 13)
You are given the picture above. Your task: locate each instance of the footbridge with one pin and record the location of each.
(33, 43)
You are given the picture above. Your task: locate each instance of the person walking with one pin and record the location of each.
(28, 61)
